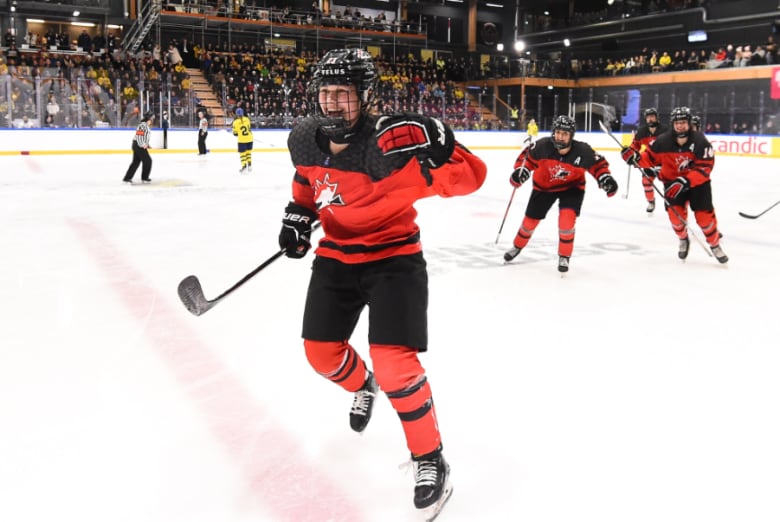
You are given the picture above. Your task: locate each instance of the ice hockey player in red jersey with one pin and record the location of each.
(644, 136)
(359, 176)
(686, 159)
(557, 166)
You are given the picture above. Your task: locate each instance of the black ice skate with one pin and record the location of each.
(563, 264)
(363, 404)
(719, 254)
(511, 254)
(650, 206)
(682, 250)
(432, 487)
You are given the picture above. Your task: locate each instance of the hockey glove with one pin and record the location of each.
(608, 184)
(630, 156)
(427, 138)
(651, 173)
(519, 176)
(677, 188)
(296, 230)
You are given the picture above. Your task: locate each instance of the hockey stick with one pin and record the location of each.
(514, 189)
(661, 193)
(628, 180)
(191, 291)
(754, 216)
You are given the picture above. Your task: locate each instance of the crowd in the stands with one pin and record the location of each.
(50, 88)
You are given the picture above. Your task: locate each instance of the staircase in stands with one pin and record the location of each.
(204, 92)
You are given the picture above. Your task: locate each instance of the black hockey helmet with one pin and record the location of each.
(564, 123)
(148, 115)
(682, 114)
(696, 122)
(343, 67)
(651, 111)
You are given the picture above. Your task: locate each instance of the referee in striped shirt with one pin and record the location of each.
(141, 151)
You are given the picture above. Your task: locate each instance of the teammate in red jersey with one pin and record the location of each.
(686, 159)
(360, 177)
(558, 164)
(644, 136)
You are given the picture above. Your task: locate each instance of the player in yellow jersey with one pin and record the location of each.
(242, 128)
(533, 129)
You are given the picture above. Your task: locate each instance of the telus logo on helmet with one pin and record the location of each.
(333, 72)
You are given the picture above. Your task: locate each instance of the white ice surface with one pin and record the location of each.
(638, 388)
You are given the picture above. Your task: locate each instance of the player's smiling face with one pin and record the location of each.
(340, 101)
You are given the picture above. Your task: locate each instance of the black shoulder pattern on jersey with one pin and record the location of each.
(543, 148)
(362, 156)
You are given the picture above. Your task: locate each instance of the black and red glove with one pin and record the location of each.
(630, 156)
(296, 230)
(519, 176)
(431, 140)
(677, 188)
(608, 184)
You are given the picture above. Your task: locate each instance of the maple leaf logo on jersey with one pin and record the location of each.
(326, 193)
(682, 163)
(559, 173)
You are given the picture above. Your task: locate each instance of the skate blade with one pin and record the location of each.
(431, 512)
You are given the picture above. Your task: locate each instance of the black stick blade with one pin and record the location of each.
(191, 294)
(747, 215)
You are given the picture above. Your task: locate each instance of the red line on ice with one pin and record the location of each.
(291, 487)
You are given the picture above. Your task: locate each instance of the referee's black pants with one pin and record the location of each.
(140, 157)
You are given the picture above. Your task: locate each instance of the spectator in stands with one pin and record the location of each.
(25, 123)
(174, 57)
(10, 37)
(742, 57)
(665, 61)
(99, 42)
(186, 52)
(52, 108)
(692, 62)
(85, 41)
(771, 50)
(758, 57)
(731, 56)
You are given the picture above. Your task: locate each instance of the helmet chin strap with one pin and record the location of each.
(349, 135)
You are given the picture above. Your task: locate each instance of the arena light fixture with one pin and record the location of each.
(519, 46)
(35, 21)
(566, 42)
(500, 47)
(76, 13)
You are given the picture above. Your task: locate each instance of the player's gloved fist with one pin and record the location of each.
(629, 155)
(519, 176)
(296, 230)
(651, 173)
(608, 184)
(427, 138)
(677, 188)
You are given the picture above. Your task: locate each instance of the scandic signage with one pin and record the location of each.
(753, 145)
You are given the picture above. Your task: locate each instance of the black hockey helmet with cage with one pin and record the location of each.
(343, 67)
(564, 123)
(682, 114)
(651, 111)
